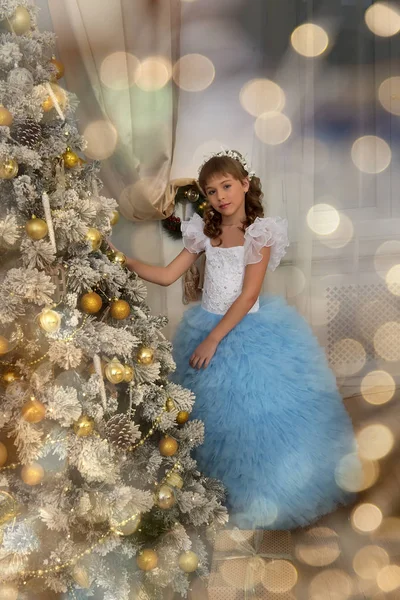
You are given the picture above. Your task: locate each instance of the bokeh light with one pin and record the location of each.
(386, 257)
(348, 357)
(273, 128)
(342, 235)
(366, 518)
(387, 341)
(389, 530)
(332, 583)
(389, 95)
(193, 72)
(388, 578)
(154, 73)
(279, 576)
(369, 560)
(371, 154)
(262, 95)
(349, 473)
(119, 70)
(318, 547)
(323, 219)
(393, 280)
(319, 309)
(375, 441)
(310, 40)
(383, 19)
(101, 137)
(378, 387)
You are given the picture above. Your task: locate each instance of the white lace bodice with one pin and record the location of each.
(225, 267)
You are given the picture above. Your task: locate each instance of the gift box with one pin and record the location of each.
(252, 565)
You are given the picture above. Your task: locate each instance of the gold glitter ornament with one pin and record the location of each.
(145, 356)
(168, 446)
(10, 376)
(70, 159)
(32, 474)
(182, 417)
(114, 217)
(115, 371)
(84, 426)
(36, 228)
(91, 303)
(6, 117)
(120, 310)
(3, 455)
(119, 258)
(188, 561)
(94, 237)
(129, 373)
(20, 22)
(170, 405)
(147, 560)
(8, 168)
(49, 320)
(165, 497)
(33, 411)
(175, 480)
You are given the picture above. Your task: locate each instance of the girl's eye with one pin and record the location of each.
(210, 192)
(228, 185)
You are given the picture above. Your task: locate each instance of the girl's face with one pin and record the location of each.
(226, 194)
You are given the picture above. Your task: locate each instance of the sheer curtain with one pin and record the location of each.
(118, 58)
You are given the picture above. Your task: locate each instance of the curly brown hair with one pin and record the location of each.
(224, 165)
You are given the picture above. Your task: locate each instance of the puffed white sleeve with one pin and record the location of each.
(193, 236)
(269, 231)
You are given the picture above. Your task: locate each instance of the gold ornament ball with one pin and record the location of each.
(188, 561)
(119, 258)
(4, 345)
(182, 417)
(81, 576)
(8, 168)
(94, 237)
(114, 217)
(20, 22)
(6, 117)
(120, 310)
(10, 376)
(33, 411)
(36, 228)
(147, 560)
(129, 373)
(115, 371)
(47, 104)
(59, 68)
(8, 591)
(165, 497)
(3, 456)
(84, 426)
(130, 527)
(91, 303)
(71, 159)
(175, 480)
(145, 356)
(49, 320)
(168, 446)
(170, 405)
(32, 474)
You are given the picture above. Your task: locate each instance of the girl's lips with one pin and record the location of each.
(225, 205)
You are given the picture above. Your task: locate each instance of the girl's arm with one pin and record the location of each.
(253, 280)
(162, 275)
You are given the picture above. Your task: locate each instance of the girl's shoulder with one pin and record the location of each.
(266, 231)
(193, 235)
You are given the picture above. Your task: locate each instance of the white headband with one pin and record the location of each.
(236, 156)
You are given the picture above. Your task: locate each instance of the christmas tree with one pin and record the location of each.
(99, 496)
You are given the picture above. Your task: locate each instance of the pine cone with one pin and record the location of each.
(28, 133)
(119, 431)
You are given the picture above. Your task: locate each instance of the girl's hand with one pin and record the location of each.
(203, 354)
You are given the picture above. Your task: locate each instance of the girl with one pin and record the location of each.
(277, 433)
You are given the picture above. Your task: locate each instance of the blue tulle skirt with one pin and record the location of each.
(276, 431)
